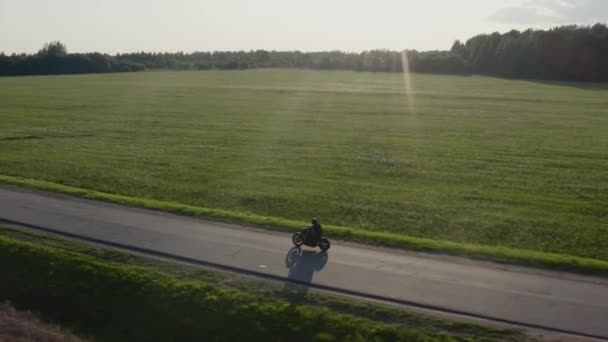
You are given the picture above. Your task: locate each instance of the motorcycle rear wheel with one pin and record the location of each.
(324, 244)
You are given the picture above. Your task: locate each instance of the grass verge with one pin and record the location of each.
(491, 253)
(24, 326)
(118, 296)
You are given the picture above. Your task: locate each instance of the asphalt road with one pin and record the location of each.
(565, 302)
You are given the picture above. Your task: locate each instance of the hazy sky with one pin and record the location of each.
(353, 25)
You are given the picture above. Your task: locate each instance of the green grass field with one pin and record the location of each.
(466, 159)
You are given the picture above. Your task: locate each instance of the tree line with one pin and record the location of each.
(54, 58)
(563, 53)
(577, 53)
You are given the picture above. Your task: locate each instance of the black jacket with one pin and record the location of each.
(316, 229)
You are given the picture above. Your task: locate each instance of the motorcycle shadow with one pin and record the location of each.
(302, 265)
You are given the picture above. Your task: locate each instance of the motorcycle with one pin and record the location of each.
(304, 237)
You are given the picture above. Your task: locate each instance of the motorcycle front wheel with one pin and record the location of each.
(297, 239)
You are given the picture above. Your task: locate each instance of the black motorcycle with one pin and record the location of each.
(304, 237)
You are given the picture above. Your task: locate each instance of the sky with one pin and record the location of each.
(113, 26)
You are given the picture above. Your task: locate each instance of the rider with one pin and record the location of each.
(316, 229)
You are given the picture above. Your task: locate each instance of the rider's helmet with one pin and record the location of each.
(314, 221)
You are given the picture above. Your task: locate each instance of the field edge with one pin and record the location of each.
(506, 255)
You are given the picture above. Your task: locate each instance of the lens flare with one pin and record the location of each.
(407, 81)
(411, 118)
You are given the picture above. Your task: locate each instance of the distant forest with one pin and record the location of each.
(569, 53)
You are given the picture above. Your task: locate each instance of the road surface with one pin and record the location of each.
(556, 301)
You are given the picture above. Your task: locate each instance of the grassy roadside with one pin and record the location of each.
(481, 252)
(24, 326)
(132, 294)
